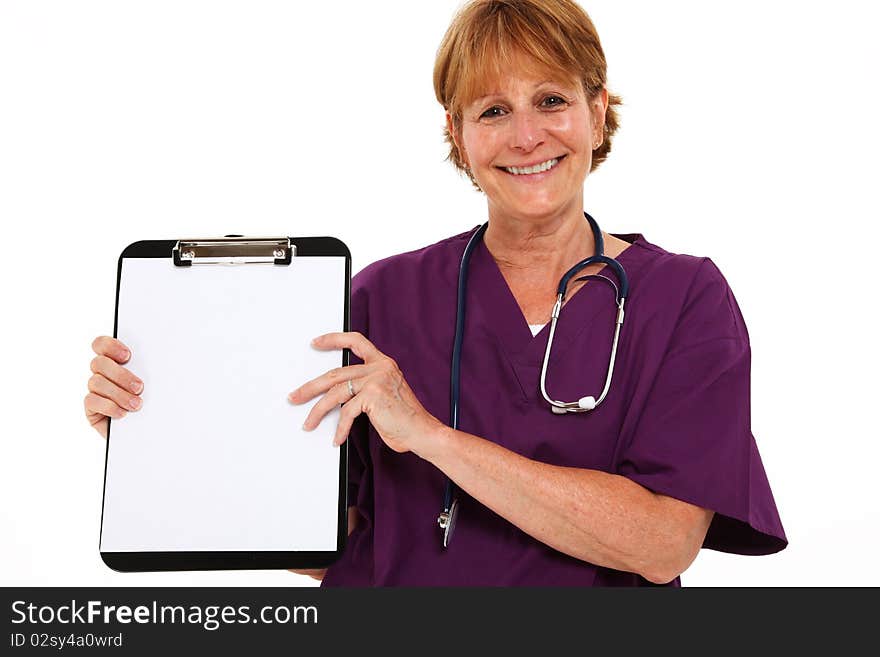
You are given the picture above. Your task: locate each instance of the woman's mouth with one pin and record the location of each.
(534, 170)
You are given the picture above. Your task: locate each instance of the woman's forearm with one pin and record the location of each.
(605, 519)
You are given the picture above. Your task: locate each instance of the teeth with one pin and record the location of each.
(538, 168)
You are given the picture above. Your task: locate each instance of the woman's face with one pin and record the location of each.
(529, 144)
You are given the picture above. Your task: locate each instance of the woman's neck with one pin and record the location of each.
(547, 245)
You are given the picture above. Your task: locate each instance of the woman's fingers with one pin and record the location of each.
(327, 380)
(103, 387)
(359, 345)
(112, 348)
(98, 408)
(338, 394)
(351, 408)
(335, 383)
(347, 415)
(113, 390)
(109, 369)
(314, 573)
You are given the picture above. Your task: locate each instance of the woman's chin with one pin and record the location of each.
(534, 206)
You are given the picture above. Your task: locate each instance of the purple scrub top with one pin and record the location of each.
(676, 419)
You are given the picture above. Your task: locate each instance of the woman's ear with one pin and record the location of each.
(450, 127)
(599, 106)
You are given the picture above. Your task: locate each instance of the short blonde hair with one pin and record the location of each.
(487, 37)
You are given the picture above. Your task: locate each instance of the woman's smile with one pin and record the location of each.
(533, 173)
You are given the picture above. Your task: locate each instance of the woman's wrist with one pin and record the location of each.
(434, 442)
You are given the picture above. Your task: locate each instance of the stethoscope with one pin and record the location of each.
(447, 518)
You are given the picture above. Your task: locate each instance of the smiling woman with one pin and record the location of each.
(625, 494)
(624, 489)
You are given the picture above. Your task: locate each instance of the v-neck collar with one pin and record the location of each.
(491, 297)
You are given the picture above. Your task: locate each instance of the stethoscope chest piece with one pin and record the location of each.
(447, 522)
(584, 404)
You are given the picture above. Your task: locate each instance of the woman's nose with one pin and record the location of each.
(527, 131)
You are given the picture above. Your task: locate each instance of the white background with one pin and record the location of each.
(750, 135)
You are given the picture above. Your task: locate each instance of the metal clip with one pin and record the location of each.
(233, 251)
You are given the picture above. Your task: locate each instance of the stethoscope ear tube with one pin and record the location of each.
(587, 403)
(621, 293)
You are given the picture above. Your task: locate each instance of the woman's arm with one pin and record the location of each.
(602, 518)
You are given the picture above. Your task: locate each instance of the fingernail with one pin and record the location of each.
(136, 387)
(292, 395)
(125, 354)
(314, 341)
(305, 426)
(135, 403)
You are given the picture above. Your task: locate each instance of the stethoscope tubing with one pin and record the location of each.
(447, 517)
(457, 344)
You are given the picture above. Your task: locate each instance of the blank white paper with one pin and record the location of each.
(216, 459)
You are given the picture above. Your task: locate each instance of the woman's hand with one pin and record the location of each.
(113, 390)
(380, 391)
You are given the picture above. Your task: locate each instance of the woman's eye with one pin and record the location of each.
(553, 101)
(492, 112)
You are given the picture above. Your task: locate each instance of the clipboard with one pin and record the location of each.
(214, 472)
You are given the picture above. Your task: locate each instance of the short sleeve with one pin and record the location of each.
(693, 438)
